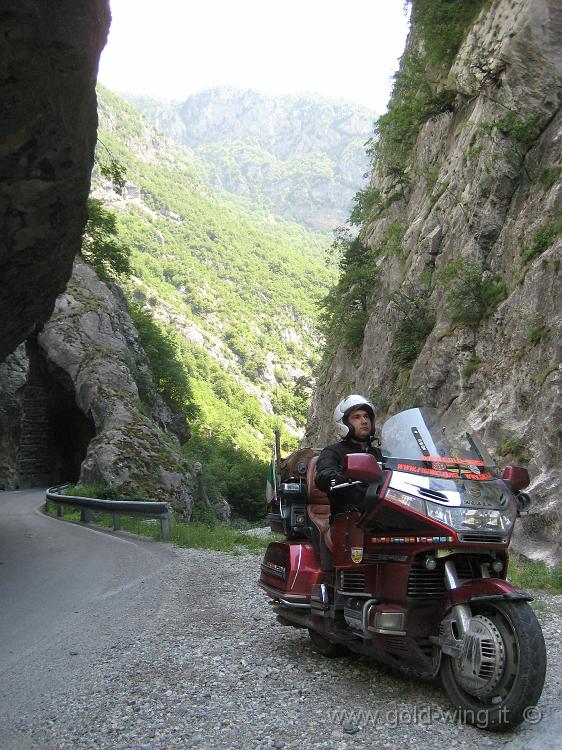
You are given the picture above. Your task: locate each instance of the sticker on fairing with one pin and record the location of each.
(357, 554)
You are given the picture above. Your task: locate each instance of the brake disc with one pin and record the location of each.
(481, 663)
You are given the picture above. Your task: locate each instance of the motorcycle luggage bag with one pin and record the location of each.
(291, 491)
(289, 570)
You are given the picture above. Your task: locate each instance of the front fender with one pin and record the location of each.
(486, 589)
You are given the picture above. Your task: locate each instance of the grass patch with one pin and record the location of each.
(514, 448)
(543, 238)
(218, 536)
(534, 575)
(471, 366)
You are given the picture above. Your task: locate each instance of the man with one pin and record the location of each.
(354, 418)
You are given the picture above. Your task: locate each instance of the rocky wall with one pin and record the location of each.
(483, 186)
(49, 53)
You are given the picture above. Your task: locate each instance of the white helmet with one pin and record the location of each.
(345, 407)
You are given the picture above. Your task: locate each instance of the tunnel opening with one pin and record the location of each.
(54, 431)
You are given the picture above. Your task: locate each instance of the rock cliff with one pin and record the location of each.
(82, 405)
(48, 66)
(461, 244)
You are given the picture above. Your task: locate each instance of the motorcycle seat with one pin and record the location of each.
(318, 508)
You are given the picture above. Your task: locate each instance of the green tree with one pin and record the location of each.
(101, 247)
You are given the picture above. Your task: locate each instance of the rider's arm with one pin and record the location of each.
(328, 468)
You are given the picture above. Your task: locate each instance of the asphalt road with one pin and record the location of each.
(67, 593)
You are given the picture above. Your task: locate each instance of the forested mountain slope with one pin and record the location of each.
(451, 293)
(234, 291)
(300, 156)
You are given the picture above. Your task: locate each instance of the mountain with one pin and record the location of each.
(299, 156)
(234, 288)
(451, 292)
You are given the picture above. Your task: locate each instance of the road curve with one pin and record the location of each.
(67, 593)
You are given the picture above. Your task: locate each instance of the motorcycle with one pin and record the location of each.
(419, 578)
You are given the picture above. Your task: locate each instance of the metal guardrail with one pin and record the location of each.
(117, 508)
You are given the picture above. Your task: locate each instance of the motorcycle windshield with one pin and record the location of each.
(422, 441)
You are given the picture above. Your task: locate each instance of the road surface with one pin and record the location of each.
(67, 592)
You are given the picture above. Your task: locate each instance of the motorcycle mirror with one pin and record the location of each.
(362, 467)
(517, 476)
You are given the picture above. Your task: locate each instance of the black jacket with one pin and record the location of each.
(329, 467)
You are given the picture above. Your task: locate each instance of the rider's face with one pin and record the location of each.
(361, 422)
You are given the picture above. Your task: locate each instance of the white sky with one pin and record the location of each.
(343, 49)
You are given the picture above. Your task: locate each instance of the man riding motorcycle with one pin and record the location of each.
(354, 419)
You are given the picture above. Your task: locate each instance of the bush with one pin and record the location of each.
(170, 378)
(471, 366)
(100, 245)
(543, 238)
(537, 330)
(415, 321)
(470, 295)
(549, 176)
(346, 308)
(515, 448)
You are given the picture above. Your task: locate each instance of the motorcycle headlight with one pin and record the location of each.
(461, 519)
(473, 519)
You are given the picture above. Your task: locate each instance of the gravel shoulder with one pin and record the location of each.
(211, 668)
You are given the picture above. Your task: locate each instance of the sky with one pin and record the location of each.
(342, 49)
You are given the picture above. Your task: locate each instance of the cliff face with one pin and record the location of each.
(48, 65)
(477, 215)
(82, 406)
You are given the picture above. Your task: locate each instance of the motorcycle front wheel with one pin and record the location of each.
(497, 680)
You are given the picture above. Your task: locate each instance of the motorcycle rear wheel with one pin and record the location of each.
(325, 647)
(520, 679)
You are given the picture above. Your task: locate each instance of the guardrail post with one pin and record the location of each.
(59, 511)
(164, 527)
(86, 515)
(116, 521)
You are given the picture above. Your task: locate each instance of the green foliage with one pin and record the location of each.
(471, 366)
(532, 575)
(345, 309)
(418, 93)
(365, 201)
(238, 289)
(543, 238)
(195, 535)
(549, 176)
(97, 491)
(443, 24)
(415, 320)
(101, 247)
(522, 130)
(168, 372)
(471, 296)
(392, 244)
(515, 449)
(538, 330)
(113, 170)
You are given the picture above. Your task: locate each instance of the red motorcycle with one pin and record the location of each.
(419, 579)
